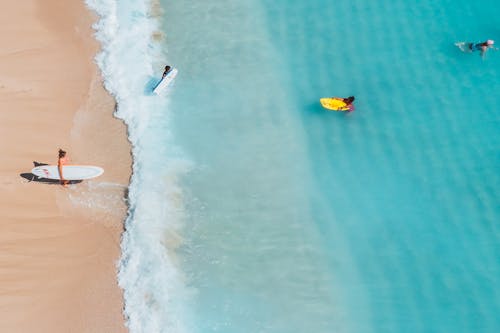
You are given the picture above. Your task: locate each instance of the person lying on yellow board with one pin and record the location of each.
(338, 103)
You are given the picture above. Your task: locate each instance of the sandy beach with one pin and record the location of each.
(59, 246)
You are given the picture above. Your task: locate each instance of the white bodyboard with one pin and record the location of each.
(162, 86)
(70, 172)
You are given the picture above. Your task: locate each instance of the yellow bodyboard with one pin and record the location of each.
(335, 104)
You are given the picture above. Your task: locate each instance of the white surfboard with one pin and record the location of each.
(162, 86)
(70, 172)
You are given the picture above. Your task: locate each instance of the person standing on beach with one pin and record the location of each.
(63, 160)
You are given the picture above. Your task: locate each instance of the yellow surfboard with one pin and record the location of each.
(335, 104)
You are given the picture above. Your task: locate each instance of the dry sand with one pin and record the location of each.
(58, 246)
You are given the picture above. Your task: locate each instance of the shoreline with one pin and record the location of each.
(60, 245)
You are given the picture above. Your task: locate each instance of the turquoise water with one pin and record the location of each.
(382, 220)
(271, 214)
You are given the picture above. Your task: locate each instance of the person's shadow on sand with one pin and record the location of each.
(32, 178)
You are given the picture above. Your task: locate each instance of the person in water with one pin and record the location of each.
(167, 69)
(482, 47)
(63, 160)
(348, 101)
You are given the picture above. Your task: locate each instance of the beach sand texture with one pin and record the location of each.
(59, 246)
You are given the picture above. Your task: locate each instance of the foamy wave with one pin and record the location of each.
(152, 283)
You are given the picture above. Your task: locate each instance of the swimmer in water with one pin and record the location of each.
(482, 47)
(167, 69)
(348, 101)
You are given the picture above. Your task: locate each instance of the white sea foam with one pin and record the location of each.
(152, 283)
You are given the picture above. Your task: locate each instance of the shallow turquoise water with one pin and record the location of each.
(302, 220)
(290, 218)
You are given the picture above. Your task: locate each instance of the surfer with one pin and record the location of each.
(167, 69)
(63, 160)
(482, 47)
(348, 102)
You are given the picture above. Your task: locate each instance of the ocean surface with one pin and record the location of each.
(253, 209)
